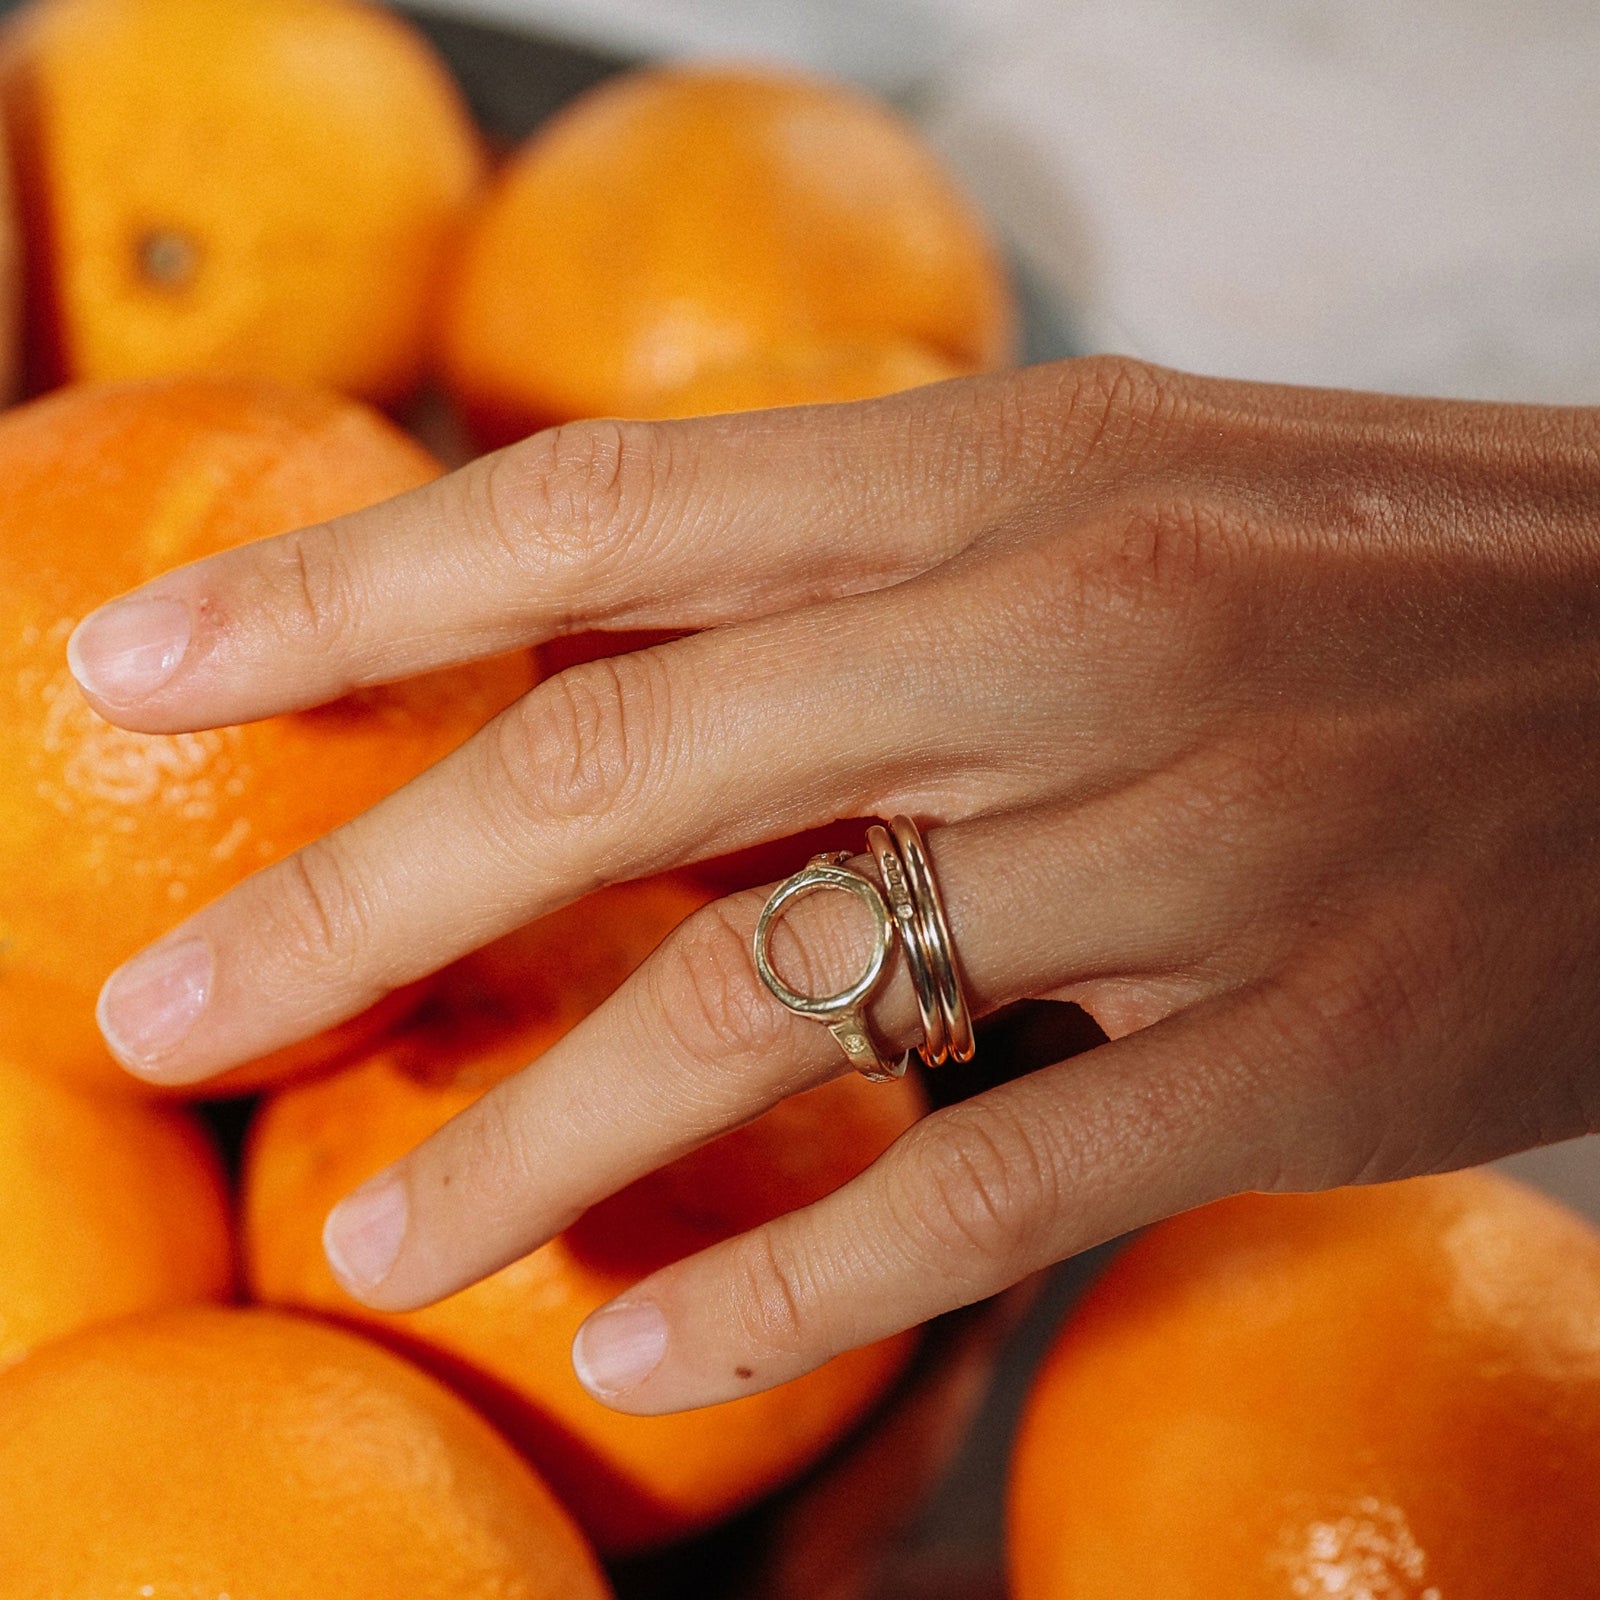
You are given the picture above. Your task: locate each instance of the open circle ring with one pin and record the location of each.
(844, 1013)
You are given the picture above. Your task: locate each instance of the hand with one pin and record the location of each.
(1264, 722)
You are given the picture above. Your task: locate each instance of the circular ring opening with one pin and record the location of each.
(811, 880)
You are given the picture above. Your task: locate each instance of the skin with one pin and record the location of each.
(1264, 722)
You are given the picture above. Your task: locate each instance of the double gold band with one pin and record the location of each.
(892, 869)
(938, 949)
(908, 908)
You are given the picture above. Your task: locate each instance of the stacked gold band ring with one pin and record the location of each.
(937, 947)
(906, 907)
(892, 869)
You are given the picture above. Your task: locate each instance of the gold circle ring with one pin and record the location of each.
(843, 1013)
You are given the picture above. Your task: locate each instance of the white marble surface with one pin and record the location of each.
(1382, 195)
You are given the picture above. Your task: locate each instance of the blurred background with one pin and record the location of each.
(1387, 196)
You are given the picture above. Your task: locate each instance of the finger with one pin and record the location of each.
(613, 770)
(694, 1045)
(595, 524)
(967, 1202)
(1361, 1057)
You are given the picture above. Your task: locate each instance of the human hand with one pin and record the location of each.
(1264, 722)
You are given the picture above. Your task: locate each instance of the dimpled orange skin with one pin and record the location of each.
(108, 838)
(265, 188)
(210, 1452)
(683, 219)
(107, 1207)
(632, 1482)
(1387, 1393)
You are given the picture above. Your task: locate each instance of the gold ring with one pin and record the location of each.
(937, 947)
(934, 1048)
(844, 1013)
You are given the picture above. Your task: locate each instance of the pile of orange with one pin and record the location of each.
(243, 225)
(294, 190)
(633, 1482)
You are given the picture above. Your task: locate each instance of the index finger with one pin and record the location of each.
(600, 524)
(593, 524)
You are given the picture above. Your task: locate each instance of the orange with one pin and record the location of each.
(805, 375)
(209, 1452)
(108, 838)
(264, 188)
(106, 1207)
(684, 219)
(1386, 1393)
(495, 1009)
(631, 1481)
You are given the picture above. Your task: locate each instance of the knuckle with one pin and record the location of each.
(974, 1186)
(581, 496)
(583, 745)
(773, 1294)
(1114, 407)
(1177, 545)
(489, 1147)
(1161, 577)
(1242, 784)
(321, 601)
(1031, 431)
(1364, 1000)
(324, 916)
(1378, 990)
(705, 989)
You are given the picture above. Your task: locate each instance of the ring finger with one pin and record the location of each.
(693, 1045)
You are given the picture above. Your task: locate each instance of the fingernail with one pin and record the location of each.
(149, 1004)
(128, 649)
(619, 1347)
(364, 1232)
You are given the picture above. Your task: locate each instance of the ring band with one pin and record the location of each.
(933, 1049)
(909, 907)
(844, 1013)
(937, 945)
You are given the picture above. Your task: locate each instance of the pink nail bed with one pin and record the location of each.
(364, 1232)
(619, 1347)
(150, 1004)
(130, 648)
